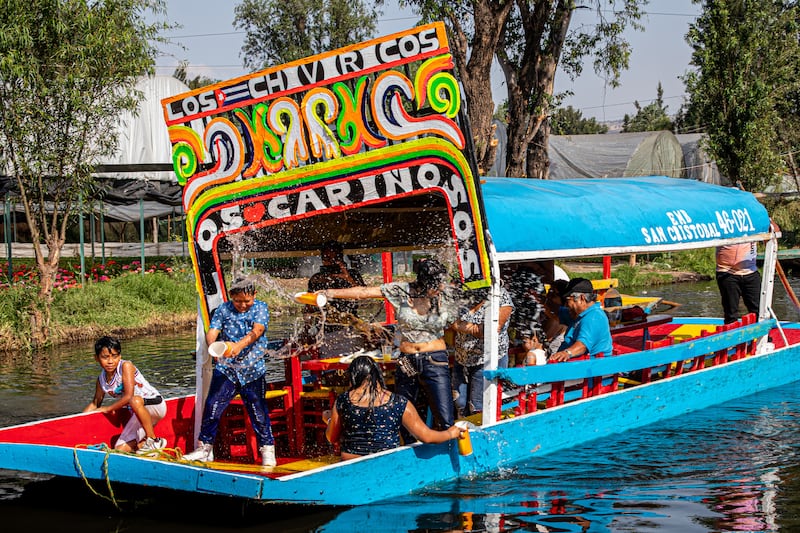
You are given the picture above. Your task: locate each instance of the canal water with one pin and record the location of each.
(734, 467)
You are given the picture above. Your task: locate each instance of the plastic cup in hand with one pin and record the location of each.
(219, 349)
(464, 440)
(311, 298)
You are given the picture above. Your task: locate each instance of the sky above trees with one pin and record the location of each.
(212, 47)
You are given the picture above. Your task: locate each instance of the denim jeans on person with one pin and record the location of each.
(468, 384)
(221, 392)
(430, 387)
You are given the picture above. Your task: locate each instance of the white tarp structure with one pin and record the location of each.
(140, 169)
(143, 145)
(618, 155)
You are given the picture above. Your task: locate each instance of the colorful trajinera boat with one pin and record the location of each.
(366, 146)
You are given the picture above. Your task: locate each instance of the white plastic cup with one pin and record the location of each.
(219, 349)
(536, 356)
(386, 351)
(311, 298)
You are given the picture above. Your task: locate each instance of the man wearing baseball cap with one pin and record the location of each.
(590, 333)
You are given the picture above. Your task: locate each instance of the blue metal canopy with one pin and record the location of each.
(531, 219)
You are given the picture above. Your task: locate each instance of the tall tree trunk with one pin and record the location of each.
(473, 60)
(538, 161)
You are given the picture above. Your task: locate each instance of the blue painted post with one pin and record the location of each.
(141, 229)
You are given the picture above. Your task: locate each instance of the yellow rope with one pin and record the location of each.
(108, 451)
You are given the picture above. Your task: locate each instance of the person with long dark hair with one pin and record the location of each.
(367, 418)
(424, 310)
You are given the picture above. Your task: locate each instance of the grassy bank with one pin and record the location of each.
(131, 304)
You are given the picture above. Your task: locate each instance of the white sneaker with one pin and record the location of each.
(151, 445)
(268, 455)
(203, 452)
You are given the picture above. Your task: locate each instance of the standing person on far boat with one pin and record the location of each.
(424, 310)
(123, 382)
(737, 278)
(367, 418)
(242, 321)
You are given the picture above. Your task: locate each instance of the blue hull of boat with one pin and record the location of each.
(413, 468)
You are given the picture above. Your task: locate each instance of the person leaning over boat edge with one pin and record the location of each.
(122, 381)
(590, 334)
(366, 418)
(424, 309)
(242, 321)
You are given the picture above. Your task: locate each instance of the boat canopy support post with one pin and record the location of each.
(202, 371)
(768, 281)
(490, 341)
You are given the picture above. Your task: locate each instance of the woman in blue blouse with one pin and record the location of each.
(367, 418)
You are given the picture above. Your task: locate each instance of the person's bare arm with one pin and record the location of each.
(250, 338)
(576, 349)
(353, 293)
(334, 429)
(97, 401)
(211, 336)
(414, 424)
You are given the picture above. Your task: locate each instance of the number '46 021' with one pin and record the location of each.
(735, 220)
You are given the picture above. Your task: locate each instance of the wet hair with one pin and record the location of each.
(332, 246)
(529, 310)
(430, 275)
(365, 369)
(560, 285)
(242, 286)
(110, 343)
(475, 296)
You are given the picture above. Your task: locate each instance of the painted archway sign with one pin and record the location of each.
(358, 127)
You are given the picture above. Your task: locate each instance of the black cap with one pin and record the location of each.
(579, 285)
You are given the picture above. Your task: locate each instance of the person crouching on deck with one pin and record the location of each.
(242, 321)
(590, 334)
(123, 382)
(367, 418)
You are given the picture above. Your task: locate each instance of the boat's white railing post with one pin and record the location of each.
(767, 283)
(202, 372)
(490, 339)
(768, 277)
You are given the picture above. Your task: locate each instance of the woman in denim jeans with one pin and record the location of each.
(423, 310)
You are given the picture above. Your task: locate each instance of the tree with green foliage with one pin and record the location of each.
(280, 31)
(570, 121)
(746, 56)
(530, 39)
(538, 38)
(652, 117)
(181, 73)
(68, 68)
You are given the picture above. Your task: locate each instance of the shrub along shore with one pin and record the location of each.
(131, 304)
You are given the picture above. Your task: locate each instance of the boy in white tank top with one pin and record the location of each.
(123, 382)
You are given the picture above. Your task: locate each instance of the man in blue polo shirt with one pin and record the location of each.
(590, 332)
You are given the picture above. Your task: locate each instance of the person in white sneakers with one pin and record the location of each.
(123, 382)
(241, 322)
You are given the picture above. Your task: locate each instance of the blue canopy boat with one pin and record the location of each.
(351, 146)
